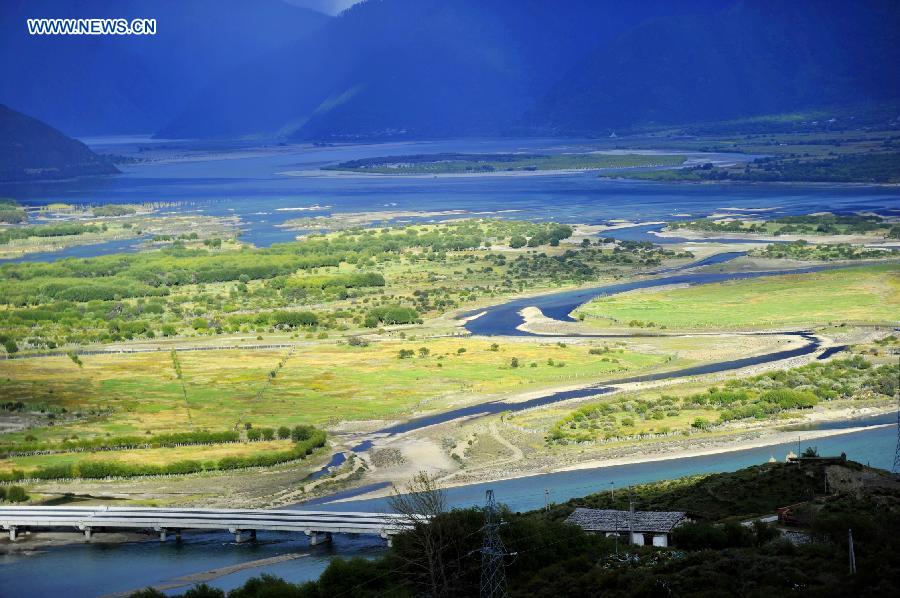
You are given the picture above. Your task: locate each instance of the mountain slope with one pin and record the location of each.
(430, 68)
(755, 58)
(134, 84)
(32, 150)
(412, 68)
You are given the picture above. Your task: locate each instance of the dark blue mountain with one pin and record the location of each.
(134, 84)
(756, 57)
(414, 68)
(433, 68)
(32, 150)
(439, 68)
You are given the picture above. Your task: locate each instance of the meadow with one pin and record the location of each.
(318, 383)
(864, 295)
(486, 163)
(348, 280)
(695, 408)
(813, 224)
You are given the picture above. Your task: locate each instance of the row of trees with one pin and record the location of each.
(13, 494)
(392, 314)
(105, 469)
(120, 442)
(48, 230)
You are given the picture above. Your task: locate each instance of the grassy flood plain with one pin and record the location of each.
(321, 383)
(803, 148)
(183, 231)
(775, 395)
(859, 295)
(680, 418)
(454, 163)
(350, 284)
(336, 299)
(340, 282)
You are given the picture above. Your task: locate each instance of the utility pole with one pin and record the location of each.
(612, 491)
(630, 516)
(546, 499)
(852, 554)
(493, 573)
(616, 535)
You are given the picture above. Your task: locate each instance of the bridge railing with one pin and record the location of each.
(316, 524)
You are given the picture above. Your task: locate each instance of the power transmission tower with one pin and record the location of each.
(852, 553)
(493, 573)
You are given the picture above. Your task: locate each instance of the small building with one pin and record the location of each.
(647, 528)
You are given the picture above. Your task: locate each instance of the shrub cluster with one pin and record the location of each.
(392, 314)
(122, 442)
(307, 440)
(13, 494)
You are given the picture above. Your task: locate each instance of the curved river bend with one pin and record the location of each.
(505, 319)
(90, 570)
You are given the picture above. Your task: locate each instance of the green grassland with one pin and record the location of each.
(801, 250)
(331, 296)
(805, 149)
(861, 168)
(342, 281)
(475, 163)
(814, 224)
(689, 409)
(317, 384)
(853, 295)
(146, 395)
(60, 229)
(161, 456)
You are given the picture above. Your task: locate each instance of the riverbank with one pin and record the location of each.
(743, 438)
(211, 574)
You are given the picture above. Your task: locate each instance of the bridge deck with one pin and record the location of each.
(233, 520)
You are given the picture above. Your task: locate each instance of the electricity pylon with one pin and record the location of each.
(493, 573)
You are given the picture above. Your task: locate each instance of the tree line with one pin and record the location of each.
(307, 440)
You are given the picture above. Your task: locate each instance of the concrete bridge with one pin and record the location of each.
(243, 523)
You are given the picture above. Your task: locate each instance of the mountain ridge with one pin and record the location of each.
(33, 150)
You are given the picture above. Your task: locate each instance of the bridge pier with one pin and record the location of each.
(162, 533)
(88, 533)
(389, 538)
(239, 535)
(316, 538)
(12, 533)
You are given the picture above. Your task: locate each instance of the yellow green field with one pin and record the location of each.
(862, 295)
(320, 383)
(159, 456)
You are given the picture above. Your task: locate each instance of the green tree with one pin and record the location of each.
(16, 494)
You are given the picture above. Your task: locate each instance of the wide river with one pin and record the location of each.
(248, 183)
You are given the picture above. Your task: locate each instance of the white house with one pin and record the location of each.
(646, 527)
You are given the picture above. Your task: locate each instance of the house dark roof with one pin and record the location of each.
(608, 520)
